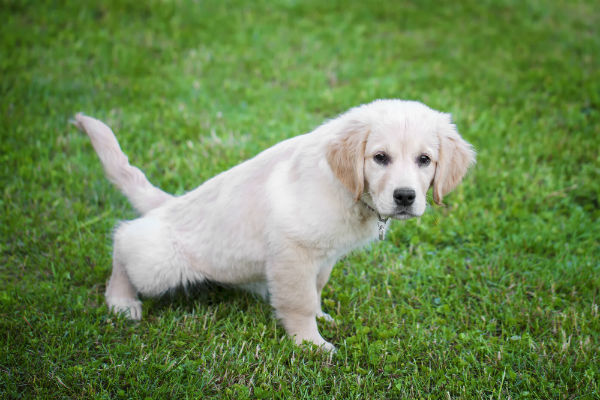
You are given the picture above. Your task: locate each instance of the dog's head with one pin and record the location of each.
(390, 152)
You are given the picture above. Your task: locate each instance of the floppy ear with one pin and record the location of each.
(455, 157)
(346, 157)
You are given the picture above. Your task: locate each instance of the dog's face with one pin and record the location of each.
(391, 152)
(399, 166)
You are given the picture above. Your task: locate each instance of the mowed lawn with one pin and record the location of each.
(496, 295)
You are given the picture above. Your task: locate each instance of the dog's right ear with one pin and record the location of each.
(346, 157)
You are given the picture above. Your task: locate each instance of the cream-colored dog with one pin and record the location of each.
(277, 223)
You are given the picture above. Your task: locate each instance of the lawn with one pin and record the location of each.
(495, 295)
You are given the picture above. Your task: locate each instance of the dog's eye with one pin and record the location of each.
(381, 158)
(423, 160)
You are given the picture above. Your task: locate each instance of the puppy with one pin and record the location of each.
(276, 224)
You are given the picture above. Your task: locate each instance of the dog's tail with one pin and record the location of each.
(130, 180)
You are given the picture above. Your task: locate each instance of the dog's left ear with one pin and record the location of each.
(346, 156)
(455, 157)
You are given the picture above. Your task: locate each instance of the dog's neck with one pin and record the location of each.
(381, 221)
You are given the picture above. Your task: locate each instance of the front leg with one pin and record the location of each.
(292, 279)
(322, 278)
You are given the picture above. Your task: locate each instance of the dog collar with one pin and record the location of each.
(380, 221)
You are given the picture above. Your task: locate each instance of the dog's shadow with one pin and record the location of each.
(194, 298)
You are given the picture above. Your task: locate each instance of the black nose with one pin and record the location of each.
(404, 196)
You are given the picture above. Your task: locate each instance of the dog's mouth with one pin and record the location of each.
(399, 213)
(403, 214)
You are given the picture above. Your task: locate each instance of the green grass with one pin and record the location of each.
(494, 296)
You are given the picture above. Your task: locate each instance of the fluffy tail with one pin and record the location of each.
(130, 180)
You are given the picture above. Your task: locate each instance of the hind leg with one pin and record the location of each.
(148, 259)
(121, 296)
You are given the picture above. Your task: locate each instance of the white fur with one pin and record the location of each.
(277, 223)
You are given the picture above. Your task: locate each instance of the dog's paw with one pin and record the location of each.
(132, 308)
(325, 317)
(328, 347)
(319, 345)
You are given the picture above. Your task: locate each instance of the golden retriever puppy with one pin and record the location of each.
(276, 224)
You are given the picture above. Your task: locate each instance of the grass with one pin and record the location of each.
(494, 296)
